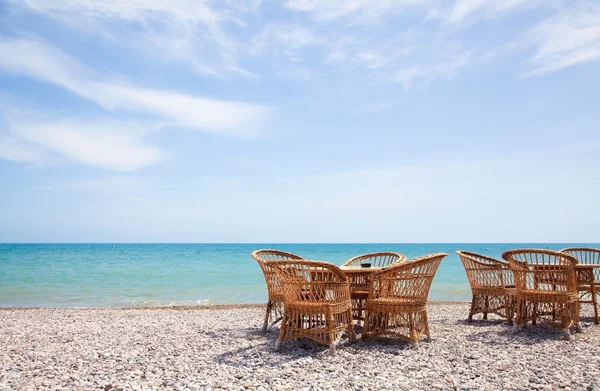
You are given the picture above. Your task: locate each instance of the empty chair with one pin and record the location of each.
(359, 282)
(316, 302)
(492, 285)
(588, 275)
(397, 302)
(546, 288)
(274, 310)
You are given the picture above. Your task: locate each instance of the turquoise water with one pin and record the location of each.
(129, 275)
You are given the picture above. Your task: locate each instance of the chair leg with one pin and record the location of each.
(470, 318)
(508, 309)
(331, 327)
(411, 325)
(332, 349)
(486, 308)
(365, 331)
(427, 331)
(267, 312)
(282, 331)
(595, 304)
(351, 327)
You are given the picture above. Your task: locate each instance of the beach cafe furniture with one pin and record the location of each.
(274, 310)
(546, 288)
(359, 270)
(492, 285)
(588, 275)
(397, 300)
(316, 302)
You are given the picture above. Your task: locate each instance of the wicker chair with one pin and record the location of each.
(316, 302)
(274, 310)
(397, 302)
(359, 282)
(546, 288)
(492, 284)
(588, 278)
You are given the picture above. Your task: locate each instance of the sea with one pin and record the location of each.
(140, 275)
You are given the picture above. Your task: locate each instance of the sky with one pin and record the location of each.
(299, 121)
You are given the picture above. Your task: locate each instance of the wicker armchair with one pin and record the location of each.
(274, 310)
(546, 288)
(588, 275)
(316, 302)
(397, 302)
(359, 282)
(492, 284)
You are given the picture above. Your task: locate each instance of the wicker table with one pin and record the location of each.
(360, 279)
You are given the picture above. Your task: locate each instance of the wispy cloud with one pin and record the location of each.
(464, 12)
(109, 145)
(283, 38)
(361, 11)
(189, 31)
(570, 37)
(37, 60)
(16, 150)
(425, 74)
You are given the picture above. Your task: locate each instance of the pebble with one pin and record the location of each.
(204, 349)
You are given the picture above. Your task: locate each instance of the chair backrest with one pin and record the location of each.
(538, 270)
(380, 259)
(312, 281)
(483, 271)
(408, 280)
(265, 259)
(584, 255)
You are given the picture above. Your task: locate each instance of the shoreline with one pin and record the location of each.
(186, 307)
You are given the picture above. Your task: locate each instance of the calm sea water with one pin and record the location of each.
(129, 275)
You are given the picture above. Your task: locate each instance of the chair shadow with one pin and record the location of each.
(262, 344)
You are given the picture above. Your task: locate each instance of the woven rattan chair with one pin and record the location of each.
(546, 288)
(274, 310)
(492, 284)
(359, 282)
(588, 277)
(316, 302)
(397, 302)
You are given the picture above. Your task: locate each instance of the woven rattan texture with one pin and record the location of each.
(546, 287)
(316, 302)
(397, 301)
(492, 285)
(274, 310)
(588, 277)
(359, 282)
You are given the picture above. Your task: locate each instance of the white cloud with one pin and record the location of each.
(570, 37)
(463, 12)
(283, 38)
(463, 8)
(424, 74)
(184, 30)
(362, 11)
(85, 142)
(45, 63)
(17, 151)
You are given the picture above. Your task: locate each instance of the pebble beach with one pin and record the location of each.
(221, 348)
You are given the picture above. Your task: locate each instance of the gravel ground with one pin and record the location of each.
(205, 349)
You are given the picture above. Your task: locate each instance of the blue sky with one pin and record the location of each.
(299, 121)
